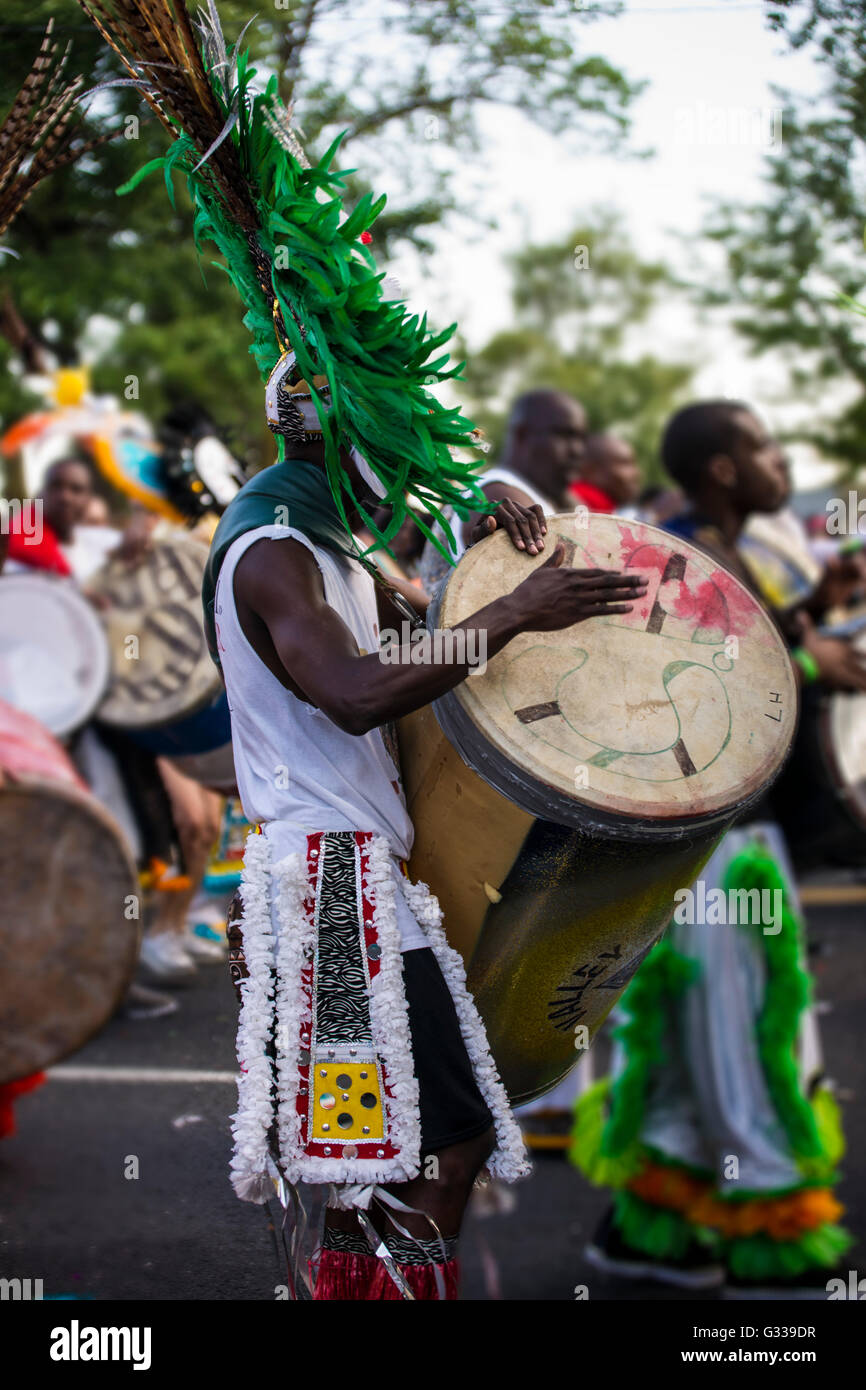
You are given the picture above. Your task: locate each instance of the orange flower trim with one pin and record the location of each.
(781, 1218)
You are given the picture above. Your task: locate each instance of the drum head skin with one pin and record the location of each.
(53, 654)
(673, 717)
(160, 667)
(69, 946)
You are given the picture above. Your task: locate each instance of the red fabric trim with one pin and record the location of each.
(344, 1277)
(44, 555)
(593, 497)
(421, 1280)
(347, 1277)
(9, 1092)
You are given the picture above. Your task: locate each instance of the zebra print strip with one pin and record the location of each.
(342, 1000)
(348, 1242)
(405, 1252)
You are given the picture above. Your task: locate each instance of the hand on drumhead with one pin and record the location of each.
(556, 596)
(525, 525)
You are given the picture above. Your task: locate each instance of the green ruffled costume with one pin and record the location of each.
(611, 1138)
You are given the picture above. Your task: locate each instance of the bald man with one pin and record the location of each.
(609, 475)
(544, 451)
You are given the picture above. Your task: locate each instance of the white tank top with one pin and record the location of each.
(293, 764)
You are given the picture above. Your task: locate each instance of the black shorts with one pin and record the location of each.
(452, 1107)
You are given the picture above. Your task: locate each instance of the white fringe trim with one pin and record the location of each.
(252, 1120)
(296, 943)
(389, 1012)
(510, 1160)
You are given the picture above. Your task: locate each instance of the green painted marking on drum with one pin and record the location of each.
(606, 756)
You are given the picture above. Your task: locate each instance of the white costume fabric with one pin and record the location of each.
(710, 1100)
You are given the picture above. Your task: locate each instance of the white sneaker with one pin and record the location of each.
(204, 950)
(164, 959)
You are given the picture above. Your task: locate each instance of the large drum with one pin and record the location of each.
(822, 792)
(561, 797)
(165, 691)
(53, 653)
(70, 923)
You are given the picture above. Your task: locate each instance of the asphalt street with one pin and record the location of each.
(154, 1099)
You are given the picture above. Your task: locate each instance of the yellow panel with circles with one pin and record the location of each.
(347, 1101)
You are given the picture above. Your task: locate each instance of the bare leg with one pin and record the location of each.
(196, 813)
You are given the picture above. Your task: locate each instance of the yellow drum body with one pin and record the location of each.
(561, 797)
(551, 923)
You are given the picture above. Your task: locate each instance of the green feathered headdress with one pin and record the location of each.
(307, 280)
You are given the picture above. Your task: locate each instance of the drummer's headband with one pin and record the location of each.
(291, 412)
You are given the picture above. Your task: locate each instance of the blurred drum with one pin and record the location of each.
(54, 661)
(822, 792)
(562, 796)
(214, 769)
(70, 929)
(161, 672)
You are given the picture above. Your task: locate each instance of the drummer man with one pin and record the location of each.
(545, 447)
(294, 623)
(68, 542)
(609, 475)
(66, 493)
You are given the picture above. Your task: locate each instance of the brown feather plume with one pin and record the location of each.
(38, 135)
(157, 45)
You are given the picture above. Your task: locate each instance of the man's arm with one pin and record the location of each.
(305, 643)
